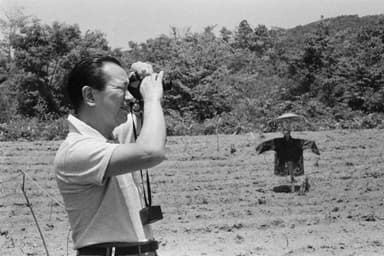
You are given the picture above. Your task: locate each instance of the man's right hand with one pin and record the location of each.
(151, 87)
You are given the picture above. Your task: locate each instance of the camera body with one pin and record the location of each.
(134, 85)
(135, 80)
(151, 214)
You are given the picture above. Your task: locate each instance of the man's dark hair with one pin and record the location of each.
(87, 72)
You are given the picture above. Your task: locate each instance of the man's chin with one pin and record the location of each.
(122, 118)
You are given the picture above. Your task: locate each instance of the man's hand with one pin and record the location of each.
(152, 87)
(143, 69)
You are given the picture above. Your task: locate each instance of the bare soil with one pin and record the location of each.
(218, 199)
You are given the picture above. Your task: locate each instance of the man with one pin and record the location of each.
(94, 176)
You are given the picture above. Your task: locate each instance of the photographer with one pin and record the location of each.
(96, 176)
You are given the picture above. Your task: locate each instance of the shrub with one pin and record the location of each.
(33, 129)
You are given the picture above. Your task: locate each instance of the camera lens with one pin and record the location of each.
(134, 86)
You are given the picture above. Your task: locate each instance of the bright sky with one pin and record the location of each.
(138, 20)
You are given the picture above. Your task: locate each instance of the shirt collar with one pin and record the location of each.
(78, 126)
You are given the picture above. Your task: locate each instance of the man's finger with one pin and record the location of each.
(160, 76)
(142, 68)
(131, 74)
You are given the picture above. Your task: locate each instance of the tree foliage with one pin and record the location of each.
(43, 54)
(330, 71)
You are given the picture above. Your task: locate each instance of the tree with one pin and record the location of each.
(44, 53)
(243, 35)
(262, 40)
(225, 34)
(14, 19)
(312, 64)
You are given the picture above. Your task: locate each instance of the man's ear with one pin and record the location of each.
(88, 95)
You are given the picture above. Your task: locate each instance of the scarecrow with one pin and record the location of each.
(288, 151)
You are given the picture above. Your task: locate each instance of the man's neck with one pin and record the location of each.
(92, 120)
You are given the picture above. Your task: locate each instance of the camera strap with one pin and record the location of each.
(147, 200)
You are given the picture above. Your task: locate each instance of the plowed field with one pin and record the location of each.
(218, 199)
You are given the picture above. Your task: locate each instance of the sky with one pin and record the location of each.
(138, 20)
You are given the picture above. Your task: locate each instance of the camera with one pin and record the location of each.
(151, 214)
(134, 85)
(135, 81)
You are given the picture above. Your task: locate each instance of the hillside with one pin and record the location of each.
(331, 71)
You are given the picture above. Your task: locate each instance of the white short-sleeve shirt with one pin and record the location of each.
(99, 209)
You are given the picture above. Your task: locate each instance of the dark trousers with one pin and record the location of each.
(142, 254)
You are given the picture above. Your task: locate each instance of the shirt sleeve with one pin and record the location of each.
(85, 161)
(310, 144)
(265, 146)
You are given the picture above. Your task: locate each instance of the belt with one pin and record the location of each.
(119, 248)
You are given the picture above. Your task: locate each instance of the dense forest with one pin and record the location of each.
(217, 80)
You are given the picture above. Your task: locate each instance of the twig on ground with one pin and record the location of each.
(42, 189)
(69, 232)
(286, 240)
(217, 134)
(34, 216)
